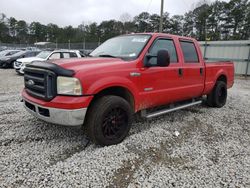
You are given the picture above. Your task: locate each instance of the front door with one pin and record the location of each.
(161, 85)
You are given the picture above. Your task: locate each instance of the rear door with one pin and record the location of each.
(193, 72)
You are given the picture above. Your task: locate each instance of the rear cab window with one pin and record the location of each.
(163, 44)
(189, 52)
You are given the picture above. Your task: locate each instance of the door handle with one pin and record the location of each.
(201, 71)
(180, 72)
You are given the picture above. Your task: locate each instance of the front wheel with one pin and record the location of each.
(218, 97)
(108, 120)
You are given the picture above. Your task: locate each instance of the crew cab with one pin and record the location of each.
(145, 75)
(20, 64)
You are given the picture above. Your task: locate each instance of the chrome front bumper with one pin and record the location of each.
(56, 115)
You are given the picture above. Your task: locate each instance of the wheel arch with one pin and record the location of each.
(117, 90)
(222, 77)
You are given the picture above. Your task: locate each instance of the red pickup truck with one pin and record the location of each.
(149, 74)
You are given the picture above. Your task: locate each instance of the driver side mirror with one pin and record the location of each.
(162, 59)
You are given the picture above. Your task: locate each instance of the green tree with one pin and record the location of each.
(154, 23)
(176, 25)
(188, 24)
(200, 20)
(215, 19)
(142, 22)
(4, 35)
(38, 32)
(22, 31)
(12, 26)
(166, 23)
(237, 9)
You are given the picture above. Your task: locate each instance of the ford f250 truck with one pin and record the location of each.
(149, 74)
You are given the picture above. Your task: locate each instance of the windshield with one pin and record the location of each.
(128, 46)
(43, 54)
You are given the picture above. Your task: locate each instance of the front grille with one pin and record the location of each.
(40, 83)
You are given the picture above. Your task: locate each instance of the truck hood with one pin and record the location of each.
(78, 64)
(30, 59)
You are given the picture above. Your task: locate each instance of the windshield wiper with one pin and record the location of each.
(107, 55)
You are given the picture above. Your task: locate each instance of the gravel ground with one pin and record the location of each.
(195, 147)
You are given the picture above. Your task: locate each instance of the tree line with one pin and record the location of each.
(207, 21)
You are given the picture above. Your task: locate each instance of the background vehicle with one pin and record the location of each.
(20, 64)
(148, 74)
(8, 52)
(2, 48)
(8, 61)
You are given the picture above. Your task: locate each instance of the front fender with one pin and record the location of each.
(114, 81)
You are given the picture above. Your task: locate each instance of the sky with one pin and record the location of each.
(75, 12)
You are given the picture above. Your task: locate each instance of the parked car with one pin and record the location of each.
(8, 52)
(3, 48)
(20, 64)
(8, 61)
(145, 74)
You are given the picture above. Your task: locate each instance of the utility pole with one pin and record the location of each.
(161, 18)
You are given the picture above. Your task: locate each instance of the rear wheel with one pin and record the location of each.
(218, 97)
(108, 120)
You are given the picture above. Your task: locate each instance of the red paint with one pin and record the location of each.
(167, 86)
(63, 102)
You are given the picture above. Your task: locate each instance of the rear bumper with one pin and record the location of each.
(58, 116)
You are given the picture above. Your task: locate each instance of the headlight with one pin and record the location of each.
(68, 86)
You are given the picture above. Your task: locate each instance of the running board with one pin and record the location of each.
(165, 111)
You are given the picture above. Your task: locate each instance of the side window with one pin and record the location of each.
(55, 56)
(73, 54)
(163, 44)
(10, 53)
(189, 52)
(29, 54)
(66, 55)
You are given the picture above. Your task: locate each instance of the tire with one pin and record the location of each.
(108, 120)
(218, 97)
(12, 65)
(4, 66)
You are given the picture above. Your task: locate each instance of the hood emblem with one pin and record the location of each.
(30, 83)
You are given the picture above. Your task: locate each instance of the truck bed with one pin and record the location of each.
(214, 69)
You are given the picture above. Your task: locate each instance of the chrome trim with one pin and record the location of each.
(135, 74)
(59, 116)
(165, 111)
(148, 89)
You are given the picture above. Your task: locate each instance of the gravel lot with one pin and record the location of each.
(211, 150)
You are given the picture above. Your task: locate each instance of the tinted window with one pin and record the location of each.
(11, 53)
(73, 54)
(189, 52)
(163, 44)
